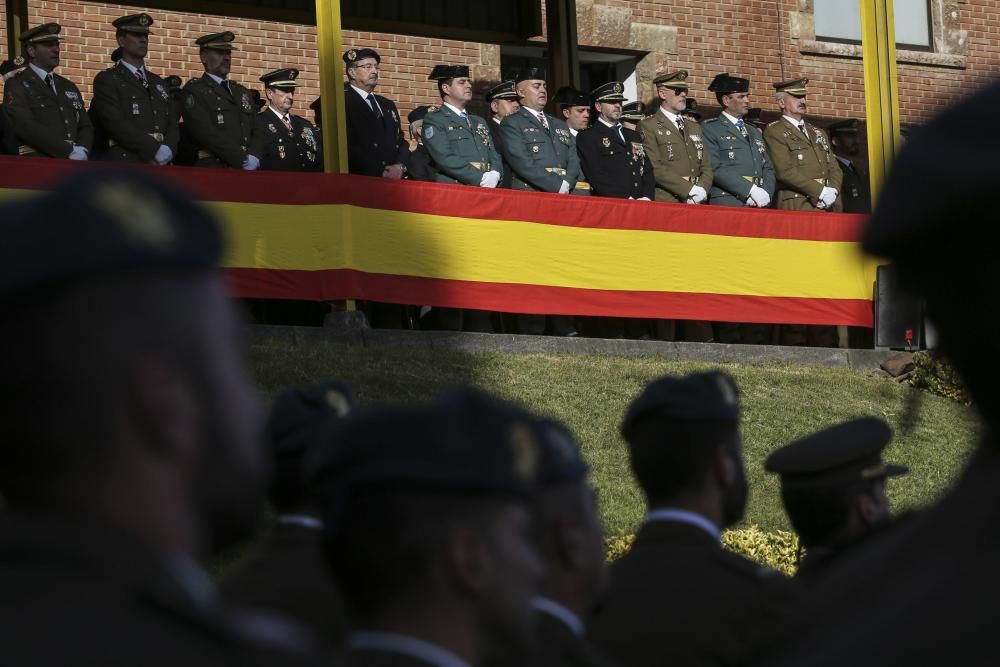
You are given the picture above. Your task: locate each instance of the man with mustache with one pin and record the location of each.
(132, 106)
(375, 142)
(679, 597)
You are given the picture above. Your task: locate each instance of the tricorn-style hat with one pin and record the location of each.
(530, 74)
(724, 84)
(445, 72)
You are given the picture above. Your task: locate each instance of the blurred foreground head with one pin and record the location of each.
(938, 227)
(427, 518)
(124, 397)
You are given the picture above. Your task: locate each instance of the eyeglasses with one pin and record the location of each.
(368, 66)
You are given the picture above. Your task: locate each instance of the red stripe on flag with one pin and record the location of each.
(336, 284)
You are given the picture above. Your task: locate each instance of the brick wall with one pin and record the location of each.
(759, 39)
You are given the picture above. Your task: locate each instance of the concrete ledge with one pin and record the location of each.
(478, 342)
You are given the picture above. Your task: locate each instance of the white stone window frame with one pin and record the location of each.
(950, 44)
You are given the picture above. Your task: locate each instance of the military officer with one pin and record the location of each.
(833, 488)
(542, 155)
(675, 147)
(754, 117)
(421, 167)
(632, 114)
(809, 178)
(678, 581)
(612, 155)
(375, 142)
(284, 141)
(458, 142)
(8, 69)
(132, 106)
(540, 148)
(573, 108)
(219, 114)
(503, 101)
(44, 111)
(742, 171)
(856, 188)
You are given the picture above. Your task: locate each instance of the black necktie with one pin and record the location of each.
(374, 105)
(142, 79)
(52, 84)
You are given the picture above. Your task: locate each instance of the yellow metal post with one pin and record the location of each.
(17, 22)
(878, 41)
(329, 41)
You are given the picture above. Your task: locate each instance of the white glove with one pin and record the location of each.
(643, 199)
(163, 155)
(697, 195)
(78, 153)
(564, 188)
(758, 197)
(251, 163)
(827, 197)
(489, 179)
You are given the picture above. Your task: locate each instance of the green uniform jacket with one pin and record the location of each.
(540, 159)
(679, 162)
(221, 126)
(46, 123)
(737, 163)
(134, 120)
(802, 165)
(462, 152)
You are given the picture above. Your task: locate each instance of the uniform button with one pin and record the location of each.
(376, 145)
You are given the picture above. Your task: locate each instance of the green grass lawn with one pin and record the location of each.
(590, 393)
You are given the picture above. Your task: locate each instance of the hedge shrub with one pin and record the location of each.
(778, 550)
(933, 373)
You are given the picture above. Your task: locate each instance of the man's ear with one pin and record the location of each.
(162, 410)
(870, 508)
(724, 467)
(469, 558)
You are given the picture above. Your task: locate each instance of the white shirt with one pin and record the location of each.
(458, 112)
(672, 116)
(364, 95)
(845, 162)
(411, 646)
(794, 122)
(217, 79)
(572, 131)
(732, 119)
(40, 72)
(556, 610)
(684, 516)
(134, 69)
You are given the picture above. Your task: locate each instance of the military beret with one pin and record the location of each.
(218, 41)
(137, 23)
(173, 82)
(725, 84)
(633, 112)
(691, 108)
(846, 126)
(503, 91)
(755, 117)
(465, 443)
(609, 92)
(568, 96)
(116, 55)
(840, 455)
(711, 396)
(47, 32)
(351, 56)
(794, 87)
(317, 105)
(280, 78)
(257, 100)
(445, 72)
(101, 222)
(561, 460)
(676, 79)
(530, 74)
(417, 114)
(8, 66)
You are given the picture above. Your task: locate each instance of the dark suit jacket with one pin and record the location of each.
(679, 598)
(373, 143)
(50, 123)
(855, 191)
(286, 574)
(557, 646)
(127, 116)
(281, 149)
(507, 175)
(81, 594)
(614, 168)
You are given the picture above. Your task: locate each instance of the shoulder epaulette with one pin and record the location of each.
(774, 122)
(433, 109)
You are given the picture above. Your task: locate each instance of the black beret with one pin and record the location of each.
(445, 72)
(173, 82)
(466, 443)
(700, 397)
(351, 56)
(417, 114)
(317, 105)
(11, 65)
(530, 74)
(840, 455)
(257, 100)
(568, 96)
(561, 458)
(503, 91)
(116, 55)
(101, 222)
(725, 84)
(281, 78)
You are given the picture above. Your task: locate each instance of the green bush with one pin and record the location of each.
(933, 373)
(778, 550)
